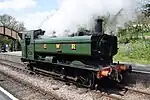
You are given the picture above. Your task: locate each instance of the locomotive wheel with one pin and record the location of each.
(91, 80)
(63, 73)
(88, 80)
(30, 67)
(54, 60)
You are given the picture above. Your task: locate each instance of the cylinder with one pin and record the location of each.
(99, 26)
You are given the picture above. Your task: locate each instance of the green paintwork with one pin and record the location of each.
(27, 50)
(65, 39)
(23, 48)
(83, 45)
(30, 51)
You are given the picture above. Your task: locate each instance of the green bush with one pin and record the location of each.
(140, 50)
(135, 52)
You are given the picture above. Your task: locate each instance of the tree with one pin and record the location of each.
(146, 10)
(11, 22)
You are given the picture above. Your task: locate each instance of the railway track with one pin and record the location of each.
(141, 72)
(47, 74)
(22, 90)
(21, 67)
(128, 88)
(34, 89)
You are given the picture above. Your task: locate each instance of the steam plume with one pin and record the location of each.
(73, 14)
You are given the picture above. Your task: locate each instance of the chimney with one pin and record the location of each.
(99, 26)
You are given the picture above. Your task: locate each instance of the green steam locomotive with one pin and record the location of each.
(83, 58)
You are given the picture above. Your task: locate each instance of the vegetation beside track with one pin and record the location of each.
(135, 52)
(134, 39)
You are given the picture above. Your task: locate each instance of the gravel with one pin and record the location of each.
(21, 91)
(49, 85)
(10, 57)
(136, 96)
(74, 93)
(139, 81)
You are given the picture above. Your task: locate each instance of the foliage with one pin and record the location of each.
(146, 10)
(11, 22)
(135, 52)
(4, 39)
(133, 30)
(140, 51)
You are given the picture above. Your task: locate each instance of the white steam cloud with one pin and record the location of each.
(75, 13)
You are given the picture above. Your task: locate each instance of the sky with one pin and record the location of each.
(32, 12)
(38, 13)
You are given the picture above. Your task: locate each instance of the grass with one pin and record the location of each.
(147, 34)
(133, 56)
(137, 51)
